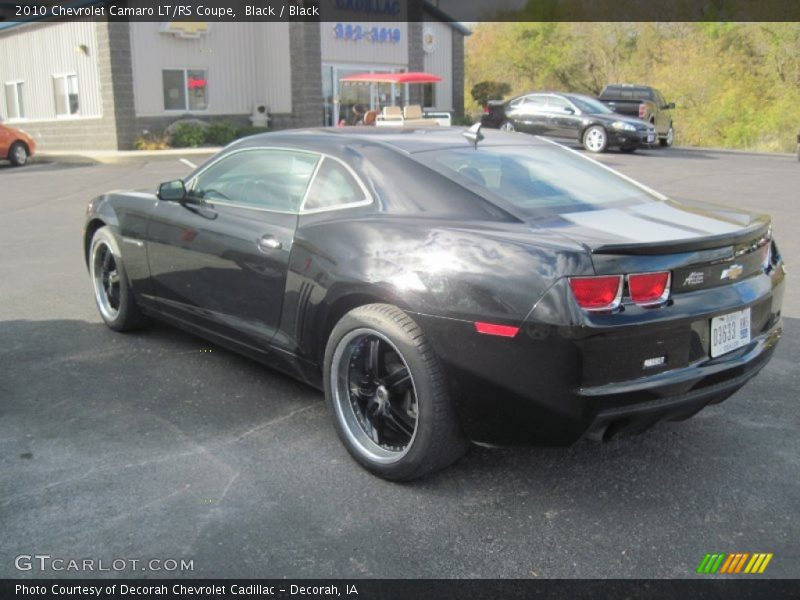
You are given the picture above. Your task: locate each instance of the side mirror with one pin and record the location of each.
(670, 105)
(569, 110)
(172, 191)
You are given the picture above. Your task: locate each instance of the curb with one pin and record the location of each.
(111, 157)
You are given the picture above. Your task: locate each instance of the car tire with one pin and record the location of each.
(112, 291)
(668, 139)
(507, 126)
(388, 396)
(595, 139)
(18, 154)
(628, 149)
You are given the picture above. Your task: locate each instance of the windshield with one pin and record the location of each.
(589, 105)
(537, 180)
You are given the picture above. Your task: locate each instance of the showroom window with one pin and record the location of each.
(428, 95)
(16, 108)
(66, 95)
(185, 89)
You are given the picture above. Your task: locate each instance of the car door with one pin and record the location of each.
(530, 116)
(563, 119)
(219, 260)
(6, 139)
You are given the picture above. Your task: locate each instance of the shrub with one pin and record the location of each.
(188, 135)
(489, 90)
(250, 130)
(221, 133)
(465, 121)
(156, 140)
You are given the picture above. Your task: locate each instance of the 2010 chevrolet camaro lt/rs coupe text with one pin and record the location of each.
(445, 285)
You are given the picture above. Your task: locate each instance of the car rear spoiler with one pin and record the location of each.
(757, 230)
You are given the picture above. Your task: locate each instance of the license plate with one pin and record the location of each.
(651, 138)
(729, 332)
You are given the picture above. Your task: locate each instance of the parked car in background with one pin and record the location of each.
(570, 116)
(644, 102)
(500, 288)
(16, 145)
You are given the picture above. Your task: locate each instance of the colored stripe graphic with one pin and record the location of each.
(734, 563)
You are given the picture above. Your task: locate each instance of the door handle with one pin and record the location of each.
(268, 243)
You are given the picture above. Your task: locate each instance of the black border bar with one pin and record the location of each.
(403, 10)
(699, 588)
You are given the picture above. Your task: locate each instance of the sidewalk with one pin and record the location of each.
(114, 157)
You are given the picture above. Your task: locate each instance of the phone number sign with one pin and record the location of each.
(367, 33)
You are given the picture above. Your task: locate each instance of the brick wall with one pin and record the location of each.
(416, 55)
(458, 74)
(306, 60)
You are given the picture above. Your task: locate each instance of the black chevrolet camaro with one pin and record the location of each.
(500, 289)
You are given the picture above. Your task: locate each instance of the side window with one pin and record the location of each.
(535, 101)
(333, 186)
(269, 179)
(556, 104)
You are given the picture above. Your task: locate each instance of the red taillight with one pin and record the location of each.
(597, 293)
(649, 289)
(494, 329)
(486, 109)
(642, 110)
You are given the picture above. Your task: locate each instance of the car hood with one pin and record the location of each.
(657, 227)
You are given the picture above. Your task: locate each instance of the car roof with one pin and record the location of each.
(404, 140)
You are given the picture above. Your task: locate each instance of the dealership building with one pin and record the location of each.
(101, 84)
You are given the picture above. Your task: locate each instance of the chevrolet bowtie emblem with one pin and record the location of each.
(732, 272)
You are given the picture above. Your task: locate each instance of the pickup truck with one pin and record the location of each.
(643, 102)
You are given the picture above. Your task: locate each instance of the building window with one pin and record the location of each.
(428, 95)
(185, 89)
(66, 94)
(16, 108)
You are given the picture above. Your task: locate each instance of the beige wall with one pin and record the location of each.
(34, 53)
(247, 64)
(440, 62)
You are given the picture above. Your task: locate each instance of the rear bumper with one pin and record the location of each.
(555, 384)
(628, 413)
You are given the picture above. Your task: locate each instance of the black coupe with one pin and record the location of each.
(499, 289)
(570, 116)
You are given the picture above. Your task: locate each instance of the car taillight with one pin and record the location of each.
(486, 109)
(597, 293)
(642, 110)
(648, 289)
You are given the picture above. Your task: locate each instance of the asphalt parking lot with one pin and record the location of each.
(158, 445)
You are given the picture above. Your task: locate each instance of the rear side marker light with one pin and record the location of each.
(597, 293)
(649, 289)
(493, 329)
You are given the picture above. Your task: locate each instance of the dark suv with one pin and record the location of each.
(644, 102)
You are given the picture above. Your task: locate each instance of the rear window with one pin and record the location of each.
(627, 93)
(537, 180)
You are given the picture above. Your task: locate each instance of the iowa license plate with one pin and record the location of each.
(729, 332)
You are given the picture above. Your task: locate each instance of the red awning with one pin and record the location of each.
(414, 77)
